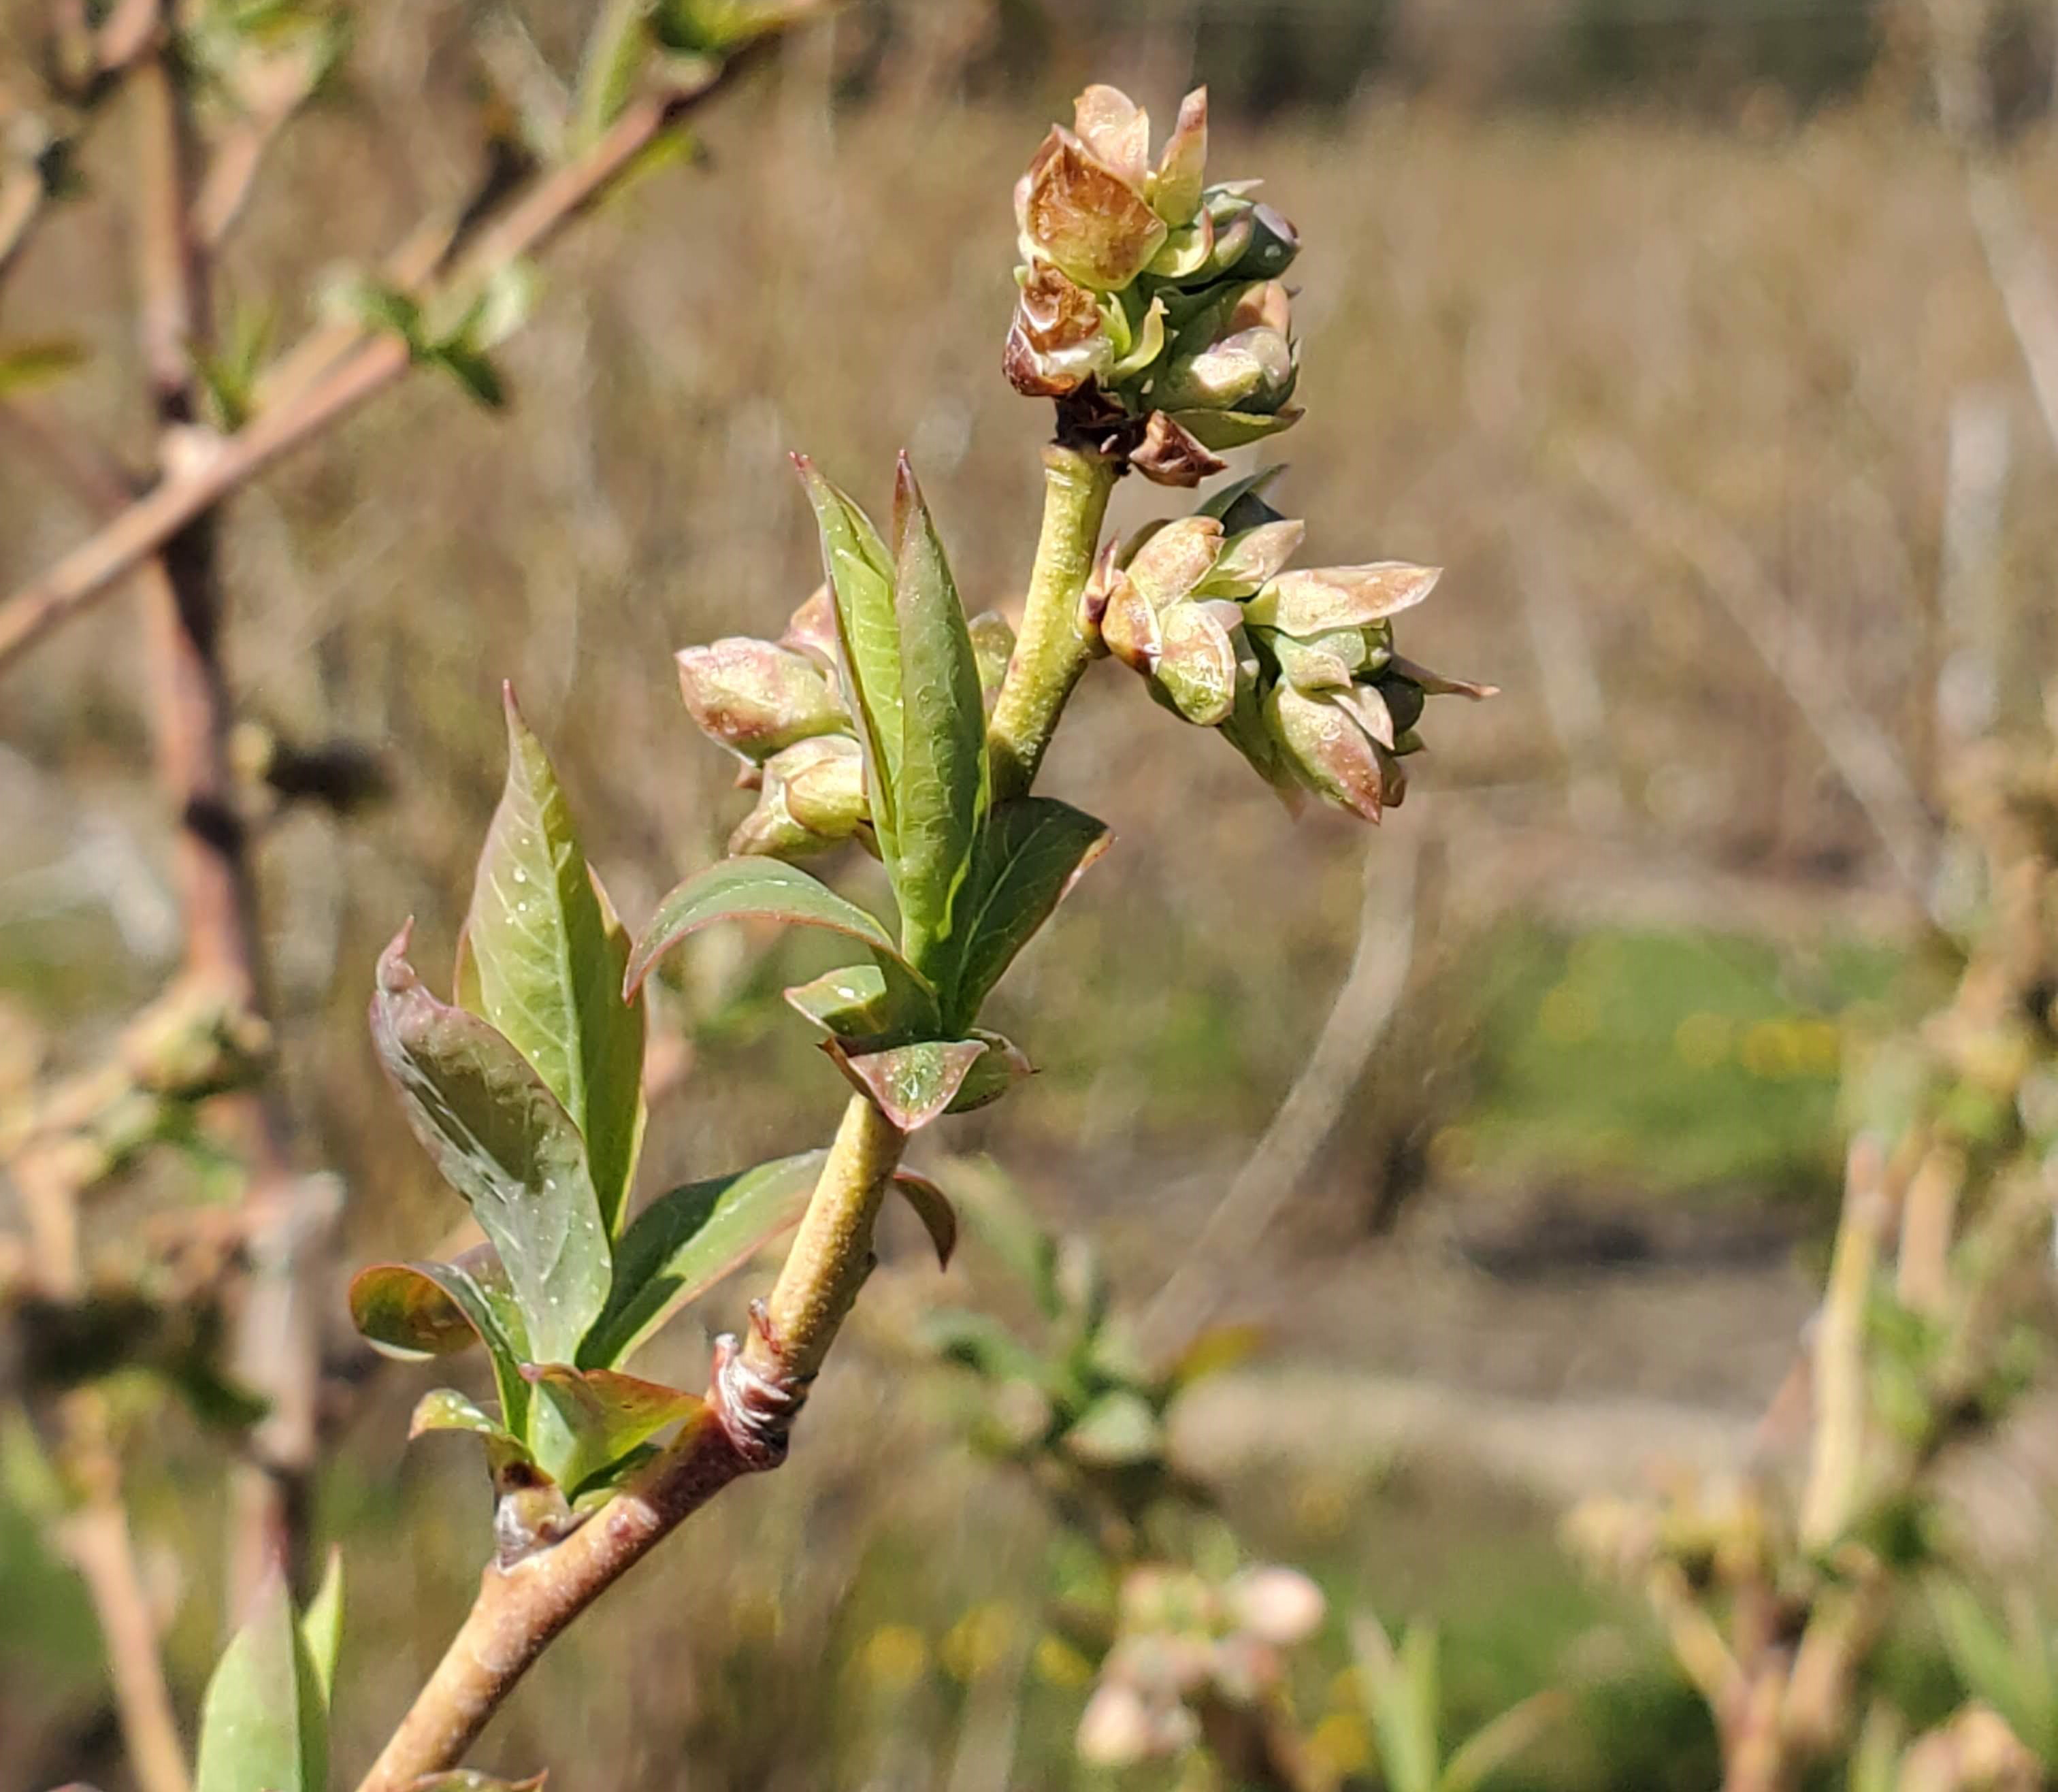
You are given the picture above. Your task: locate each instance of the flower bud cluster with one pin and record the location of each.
(781, 707)
(1151, 307)
(1186, 1641)
(1295, 666)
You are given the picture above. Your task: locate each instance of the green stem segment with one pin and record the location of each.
(1052, 653)
(832, 1253)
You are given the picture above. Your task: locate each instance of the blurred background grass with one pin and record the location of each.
(1612, 308)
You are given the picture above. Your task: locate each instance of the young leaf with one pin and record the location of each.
(940, 796)
(686, 1242)
(976, 1341)
(1118, 1430)
(321, 1626)
(767, 890)
(504, 1142)
(1400, 1690)
(26, 365)
(911, 1084)
(263, 1722)
(991, 1077)
(852, 1002)
(861, 579)
(607, 1414)
(417, 1311)
(932, 1207)
(549, 957)
(1032, 852)
(446, 1409)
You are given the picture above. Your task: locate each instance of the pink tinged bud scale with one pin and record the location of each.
(1175, 190)
(1307, 602)
(1174, 559)
(1197, 663)
(756, 698)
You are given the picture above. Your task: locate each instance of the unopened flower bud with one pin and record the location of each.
(1252, 370)
(1115, 1729)
(812, 798)
(756, 698)
(1278, 1605)
(812, 629)
(1170, 562)
(1196, 673)
(1330, 752)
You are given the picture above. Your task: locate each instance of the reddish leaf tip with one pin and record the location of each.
(396, 973)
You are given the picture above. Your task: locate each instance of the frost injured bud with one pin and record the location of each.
(1150, 307)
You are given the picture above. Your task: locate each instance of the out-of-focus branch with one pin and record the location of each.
(2016, 260)
(96, 1539)
(277, 1347)
(87, 59)
(1868, 762)
(355, 367)
(1357, 1020)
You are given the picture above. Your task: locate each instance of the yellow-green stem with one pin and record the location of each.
(832, 1253)
(1052, 653)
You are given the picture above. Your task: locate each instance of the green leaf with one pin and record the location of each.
(910, 1084)
(932, 1207)
(716, 27)
(321, 1626)
(1496, 1743)
(473, 369)
(1211, 1352)
(605, 1414)
(686, 1242)
(1220, 504)
(380, 308)
(767, 890)
(1233, 429)
(853, 1003)
(982, 1344)
(992, 1076)
(548, 958)
(1032, 852)
(940, 795)
(446, 1409)
(861, 578)
(502, 1141)
(24, 366)
(1117, 1431)
(1401, 1692)
(414, 1311)
(263, 1725)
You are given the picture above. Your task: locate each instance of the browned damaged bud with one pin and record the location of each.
(1056, 343)
(1149, 306)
